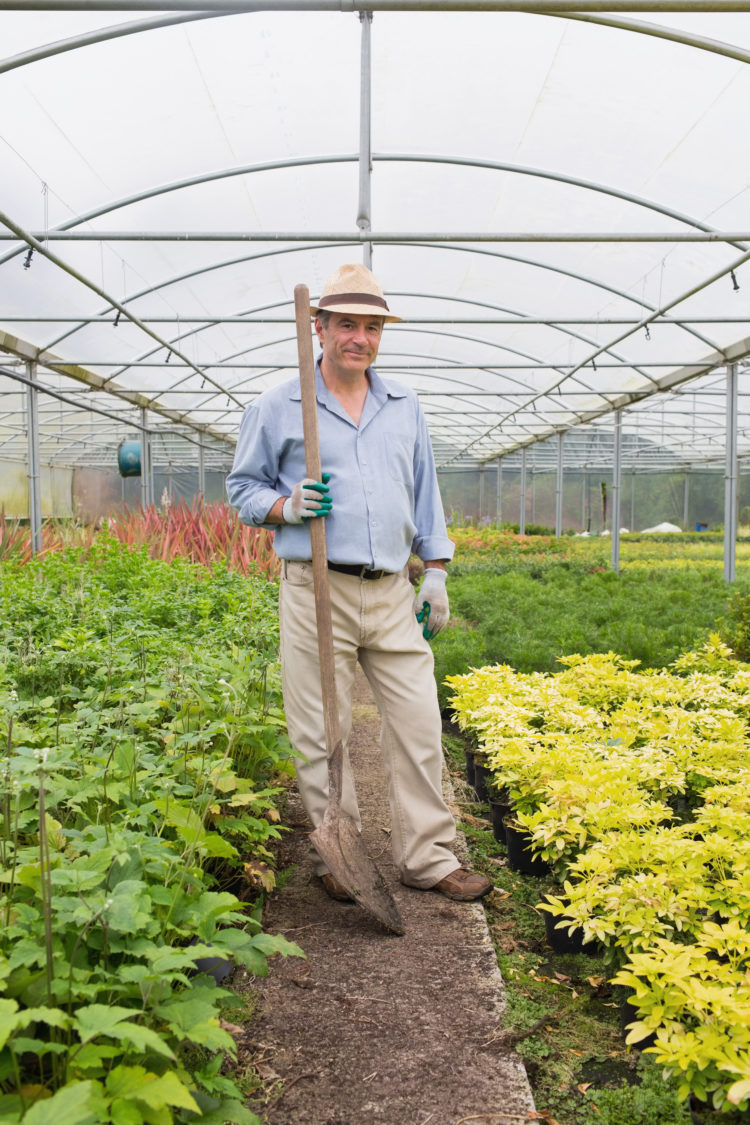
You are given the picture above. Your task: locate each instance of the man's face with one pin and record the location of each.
(350, 343)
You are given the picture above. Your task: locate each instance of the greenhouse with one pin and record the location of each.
(555, 199)
(564, 242)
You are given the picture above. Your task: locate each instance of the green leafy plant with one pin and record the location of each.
(143, 750)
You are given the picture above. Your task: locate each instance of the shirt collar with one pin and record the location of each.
(380, 390)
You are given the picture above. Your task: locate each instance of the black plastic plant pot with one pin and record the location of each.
(680, 806)
(469, 759)
(215, 967)
(560, 939)
(482, 781)
(500, 807)
(520, 856)
(628, 1015)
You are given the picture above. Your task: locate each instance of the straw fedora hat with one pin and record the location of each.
(353, 289)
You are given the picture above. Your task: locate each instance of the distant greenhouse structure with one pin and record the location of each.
(568, 247)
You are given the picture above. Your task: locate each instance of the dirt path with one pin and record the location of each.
(374, 1028)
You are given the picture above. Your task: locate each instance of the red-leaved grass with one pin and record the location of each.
(202, 533)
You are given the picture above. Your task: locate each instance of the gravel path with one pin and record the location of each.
(374, 1029)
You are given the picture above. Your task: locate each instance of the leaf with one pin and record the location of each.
(124, 757)
(53, 1017)
(125, 1081)
(76, 877)
(113, 1023)
(166, 1090)
(210, 1035)
(144, 1039)
(215, 845)
(11, 1109)
(23, 1044)
(188, 1008)
(277, 943)
(92, 1055)
(738, 1092)
(72, 1105)
(128, 911)
(99, 1019)
(136, 1084)
(259, 874)
(637, 1032)
(230, 1111)
(8, 1019)
(125, 1113)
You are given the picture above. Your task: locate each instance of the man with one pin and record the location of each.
(380, 499)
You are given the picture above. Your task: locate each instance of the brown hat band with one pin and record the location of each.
(352, 299)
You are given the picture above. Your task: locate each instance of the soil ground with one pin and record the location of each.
(375, 1029)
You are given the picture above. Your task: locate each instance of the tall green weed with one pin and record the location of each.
(141, 742)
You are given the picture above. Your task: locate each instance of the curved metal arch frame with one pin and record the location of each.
(226, 361)
(662, 33)
(300, 249)
(477, 250)
(432, 246)
(117, 31)
(498, 166)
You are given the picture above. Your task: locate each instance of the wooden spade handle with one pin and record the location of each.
(317, 527)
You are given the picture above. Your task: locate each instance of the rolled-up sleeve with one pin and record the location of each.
(431, 539)
(252, 485)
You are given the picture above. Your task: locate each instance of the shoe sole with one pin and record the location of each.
(465, 898)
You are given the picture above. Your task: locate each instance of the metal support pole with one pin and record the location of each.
(632, 501)
(559, 486)
(522, 520)
(730, 476)
(201, 470)
(147, 474)
(364, 214)
(481, 490)
(686, 501)
(616, 483)
(499, 504)
(583, 500)
(533, 493)
(32, 433)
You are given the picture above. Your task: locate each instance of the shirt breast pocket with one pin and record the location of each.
(398, 456)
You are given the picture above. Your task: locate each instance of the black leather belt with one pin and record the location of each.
(358, 571)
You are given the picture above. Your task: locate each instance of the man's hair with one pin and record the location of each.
(324, 316)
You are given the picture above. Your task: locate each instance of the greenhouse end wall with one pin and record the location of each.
(90, 494)
(56, 490)
(646, 499)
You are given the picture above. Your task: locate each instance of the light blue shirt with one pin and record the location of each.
(386, 501)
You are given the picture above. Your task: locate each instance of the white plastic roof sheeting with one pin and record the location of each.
(543, 188)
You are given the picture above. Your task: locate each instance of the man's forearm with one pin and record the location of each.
(436, 564)
(276, 514)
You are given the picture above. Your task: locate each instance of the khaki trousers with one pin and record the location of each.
(373, 623)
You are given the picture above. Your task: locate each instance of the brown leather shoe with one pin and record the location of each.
(463, 885)
(334, 889)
